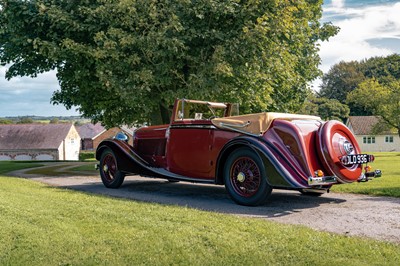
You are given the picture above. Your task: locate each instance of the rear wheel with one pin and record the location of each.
(110, 175)
(245, 178)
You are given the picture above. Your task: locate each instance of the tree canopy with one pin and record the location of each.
(327, 109)
(123, 61)
(382, 99)
(345, 77)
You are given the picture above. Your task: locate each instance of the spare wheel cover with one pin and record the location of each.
(330, 141)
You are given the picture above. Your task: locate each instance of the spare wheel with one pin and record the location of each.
(334, 141)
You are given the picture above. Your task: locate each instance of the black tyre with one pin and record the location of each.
(245, 178)
(109, 173)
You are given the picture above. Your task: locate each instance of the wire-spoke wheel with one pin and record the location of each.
(245, 178)
(110, 175)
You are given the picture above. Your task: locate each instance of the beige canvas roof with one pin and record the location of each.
(256, 124)
(32, 136)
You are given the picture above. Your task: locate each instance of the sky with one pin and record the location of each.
(368, 28)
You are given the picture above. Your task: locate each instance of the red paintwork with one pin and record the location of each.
(292, 151)
(190, 150)
(150, 143)
(296, 143)
(332, 134)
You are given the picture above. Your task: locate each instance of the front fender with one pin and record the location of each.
(128, 161)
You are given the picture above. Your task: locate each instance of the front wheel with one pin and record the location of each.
(109, 173)
(245, 178)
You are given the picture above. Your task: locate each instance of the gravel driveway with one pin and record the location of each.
(348, 214)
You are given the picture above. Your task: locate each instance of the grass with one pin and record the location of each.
(387, 185)
(66, 169)
(8, 166)
(41, 225)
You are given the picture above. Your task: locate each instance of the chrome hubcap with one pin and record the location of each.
(241, 177)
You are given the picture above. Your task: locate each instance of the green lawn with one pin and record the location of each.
(387, 185)
(42, 225)
(8, 166)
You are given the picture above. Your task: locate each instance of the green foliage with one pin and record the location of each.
(25, 120)
(4, 121)
(381, 99)
(54, 120)
(341, 79)
(327, 109)
(86, 155)
(9, 166)
(345, 77)
(64, 227)
(384, 69)
(122, 61)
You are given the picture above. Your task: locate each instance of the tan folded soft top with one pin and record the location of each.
(256, 124)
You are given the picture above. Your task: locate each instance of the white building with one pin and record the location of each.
(39, 142)
(369, 137)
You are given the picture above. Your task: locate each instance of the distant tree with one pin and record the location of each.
(327, 109)
(124, 61)
(383, 69)
(25, 120)
(54, 120)
(4, 121)
(79, 123)
(381, 100)
(345, 77)
(340, 80)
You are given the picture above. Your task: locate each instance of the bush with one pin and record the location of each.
(86, 156)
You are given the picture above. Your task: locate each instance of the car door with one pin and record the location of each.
(190, 150)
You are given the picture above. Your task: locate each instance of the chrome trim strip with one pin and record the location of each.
(193, 126)
(165, 173)
(222, 124)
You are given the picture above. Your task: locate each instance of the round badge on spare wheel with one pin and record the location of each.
(334, 141)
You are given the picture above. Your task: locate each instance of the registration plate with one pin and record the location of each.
(356, 159)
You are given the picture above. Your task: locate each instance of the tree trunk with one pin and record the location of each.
(160, 116)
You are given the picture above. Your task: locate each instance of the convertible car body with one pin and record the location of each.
(249, 154)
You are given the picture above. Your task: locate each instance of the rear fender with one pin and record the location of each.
(275, 174)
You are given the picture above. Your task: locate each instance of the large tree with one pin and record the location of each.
(345, 77)
(340, 80)
(382, 99)
(122, 61)
(327, 109)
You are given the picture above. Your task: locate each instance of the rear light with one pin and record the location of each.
(319, 173)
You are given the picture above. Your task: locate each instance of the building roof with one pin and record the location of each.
(89, 130)
(364, 125)
(33, 136)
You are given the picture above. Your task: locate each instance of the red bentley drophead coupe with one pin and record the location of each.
(249, 154)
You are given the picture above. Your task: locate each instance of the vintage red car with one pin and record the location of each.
(249, 154)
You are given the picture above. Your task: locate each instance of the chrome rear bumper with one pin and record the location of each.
(323, 180)
(369, 176)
